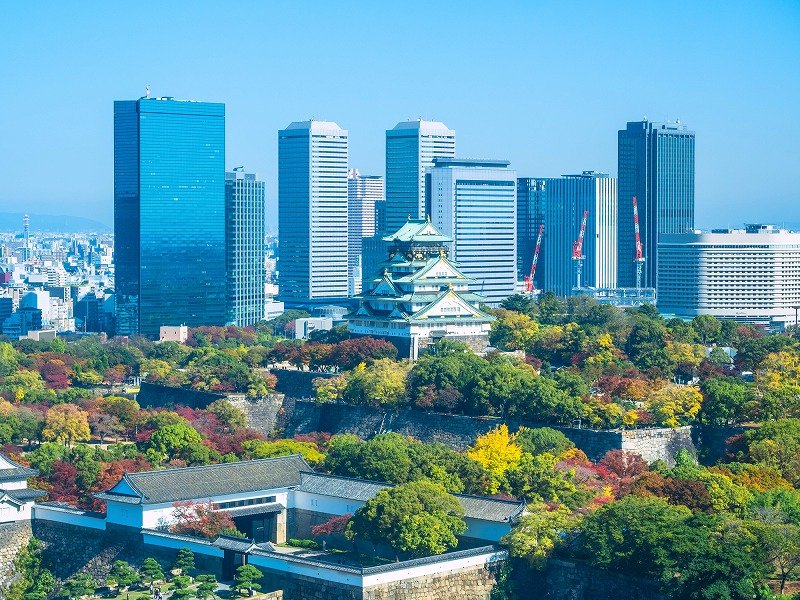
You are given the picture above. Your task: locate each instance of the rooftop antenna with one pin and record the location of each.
(147, 91)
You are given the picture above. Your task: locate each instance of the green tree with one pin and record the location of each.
(79, 585)
(184, 560)
(776, 444)
(383, 383)
(543, 439)
(171, 439)
(419, 518)
(519, 303)
(207, 585)
(708, 328)
(231, 417)
(123, 574)
(725, 400)
(540, 531)
(151, 570)
(246, 578)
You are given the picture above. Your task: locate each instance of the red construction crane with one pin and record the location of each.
(530, 286)
(639, 256)
(577, 249)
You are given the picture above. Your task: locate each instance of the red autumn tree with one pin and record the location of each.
(332, 525)
(201, 519)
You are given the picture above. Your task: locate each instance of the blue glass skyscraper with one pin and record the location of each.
(655, 164)
(169, 214)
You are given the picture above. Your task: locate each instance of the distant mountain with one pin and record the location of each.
(52, 223)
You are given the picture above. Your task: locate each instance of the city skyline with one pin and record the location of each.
(543, 130)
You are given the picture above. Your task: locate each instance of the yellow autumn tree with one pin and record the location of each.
(674, 405)
(497, 451)
(66, 423)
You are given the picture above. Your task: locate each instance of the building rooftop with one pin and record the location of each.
(211, 481)
(417, 230)
(314, 125)
(471, 163)
(11, 471)
(421, 124)
(475, 507)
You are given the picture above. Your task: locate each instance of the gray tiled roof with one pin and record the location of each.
(475, 507)
(490, 509)
(11, 471)
(212, 481)
(340, 487)
(24, 494)
(256, 509)
(227, 542)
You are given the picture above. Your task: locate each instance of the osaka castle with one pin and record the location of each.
(418, 296)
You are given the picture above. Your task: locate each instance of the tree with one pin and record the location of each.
(66, 423)
(207, 585)
(171, 439)
(674, 405)
(246, 577)
(79, 585)
(184, 560)
(519, 303)
(180, 587)
(335, 524)
(262, 449)
(202, 519)
(540, 531)
(778, 384)
(726, 400)
(151, 570)
(104, 425)
(513, 331)
(497, 451)
(125, 409)
(776, 444)
(123, 574)
(231, 417)
(383, 383)
(419, 518)
(708, 328)
(781, 542)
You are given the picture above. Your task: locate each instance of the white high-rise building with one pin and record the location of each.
(363, 193)
(475, 203)
(411, 148)
(564, 201)
(750, 275)
(312, 212)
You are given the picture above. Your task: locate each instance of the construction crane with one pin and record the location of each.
(577, 249)
(639, 256)
(530, 286)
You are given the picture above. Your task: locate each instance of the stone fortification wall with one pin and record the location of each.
(475, 583)
(163, 396)
(261, 411)
(72, 549)
(13, 537)
(460, 432)
(296, 384)
(563, 580)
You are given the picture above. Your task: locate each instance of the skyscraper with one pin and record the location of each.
(530, 216)
(364, 194)
(312, 212)
(564, 200)
(169, 214)
(655, 164)
(410, 148)
(244, 234)
(475, 203)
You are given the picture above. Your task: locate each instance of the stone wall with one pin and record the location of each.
(563, 580)
(261, 412)
(475, 583)
(460, 432)
(70, 549)
(296, 384)
(13, 537)
(163, 396)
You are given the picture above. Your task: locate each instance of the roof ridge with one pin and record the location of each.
(217, 465)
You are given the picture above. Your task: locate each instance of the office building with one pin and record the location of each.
(411, 148)
(418, 295)
(655, 164)
(364, 194)
(562, 202)
(244, 234)
(750, 275)
(312, 213)
(169, 214)
(530, 217)
(475, 203)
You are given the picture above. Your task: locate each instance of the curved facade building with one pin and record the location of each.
(750, 275)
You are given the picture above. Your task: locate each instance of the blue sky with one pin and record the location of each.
(543, 84)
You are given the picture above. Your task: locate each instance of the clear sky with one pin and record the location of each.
(543, 84)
